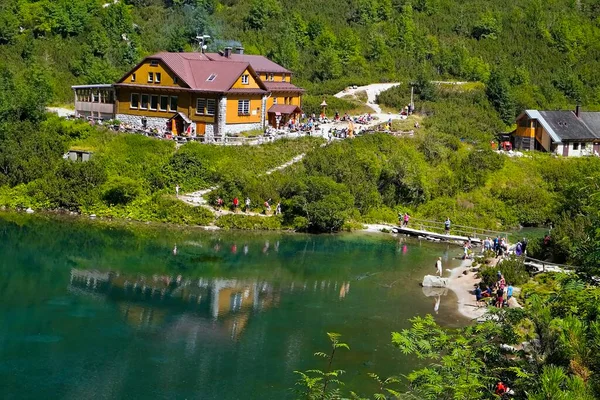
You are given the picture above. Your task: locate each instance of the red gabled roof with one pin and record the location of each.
(194, 69)
(282, 87)
(259, 63)
(284, 109)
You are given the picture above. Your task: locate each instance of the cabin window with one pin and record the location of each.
(154, 63)
(271, 77)
(144, 103)
(95, 97)
(200, 106)
(211, 77)
(164, 103)
(274, 100)
(243, 107)
(176, 80)
(157, 77)
(575, 146)
(283, 78)
(583, 145)
(132, 77)
(211, 106)
(153, 102)
(135, 100)
(173, 105)
(245, 79)
(150, 76)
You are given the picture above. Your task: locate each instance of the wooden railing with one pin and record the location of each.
(439, 227)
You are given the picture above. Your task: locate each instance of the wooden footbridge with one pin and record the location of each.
(435, 230)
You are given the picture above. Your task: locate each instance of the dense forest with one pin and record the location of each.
(546, 53)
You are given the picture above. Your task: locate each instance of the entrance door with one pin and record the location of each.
(565, 149)
(200, 128)
(597, 148)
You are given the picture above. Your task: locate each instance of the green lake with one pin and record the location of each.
(91, 310)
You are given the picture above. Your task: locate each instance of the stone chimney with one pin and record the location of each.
(227, 52)
(577, 109)
(239, 50)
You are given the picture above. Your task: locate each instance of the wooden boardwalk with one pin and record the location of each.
(435, 236)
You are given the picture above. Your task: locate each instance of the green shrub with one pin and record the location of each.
(121, 191)
(512, 268)
(248, 222)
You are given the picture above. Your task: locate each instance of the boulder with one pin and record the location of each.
(434, 281)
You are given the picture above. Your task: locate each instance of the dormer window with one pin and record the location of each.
(133, 77)
(245, 79)
(176, 80)
(157, 77)
(211, 77)
(154, 63)
(283, 78)
(271, 77)
(150, 76)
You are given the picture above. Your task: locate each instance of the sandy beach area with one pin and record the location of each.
(463, 285)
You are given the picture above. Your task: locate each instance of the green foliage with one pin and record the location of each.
(512, 268)
(498, 93)
(121, 191)
(248, 222)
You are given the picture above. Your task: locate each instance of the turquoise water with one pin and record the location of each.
(100, 311)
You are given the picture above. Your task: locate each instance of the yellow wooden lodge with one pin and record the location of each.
(212, 94)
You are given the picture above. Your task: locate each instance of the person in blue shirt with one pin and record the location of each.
(509, 291)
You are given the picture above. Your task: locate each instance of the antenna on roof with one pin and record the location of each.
(202, 42)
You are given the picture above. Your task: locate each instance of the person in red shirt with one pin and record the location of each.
(236, 203)
(501, 389)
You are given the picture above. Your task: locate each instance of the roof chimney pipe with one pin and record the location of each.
(577, 109)
(227, 52)
(239, 50)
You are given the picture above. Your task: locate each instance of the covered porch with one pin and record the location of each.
(180, 124)
(280, 114)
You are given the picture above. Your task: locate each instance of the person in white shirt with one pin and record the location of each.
(438, 265)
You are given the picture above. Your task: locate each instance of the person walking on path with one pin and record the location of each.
(247, 204)
(236, 203)
(177, 190)
(406, 219)
(438, 266)
(447, 225)
(267, 207)
(278, 208)
(219, 204)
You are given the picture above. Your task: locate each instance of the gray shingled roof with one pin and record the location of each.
(592, 120)
(567, 126)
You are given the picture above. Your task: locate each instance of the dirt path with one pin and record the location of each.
(198, 198)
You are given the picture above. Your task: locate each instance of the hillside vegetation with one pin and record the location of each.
(545, 52)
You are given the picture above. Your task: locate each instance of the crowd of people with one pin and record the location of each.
(235, 206)
(499, 294)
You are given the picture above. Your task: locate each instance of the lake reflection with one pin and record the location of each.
(220, 306)
(98, 312)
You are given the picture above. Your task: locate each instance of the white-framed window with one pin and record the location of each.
(200, 106)
(154, 102)
(274, 100)
(575, 146)
(144, 102)
(157, 77)
(173, 104)
(271, 77)
(211, 77)
(133, 77)
(176, 80)
(150, 77)
(245, 79)
(164, 103)
(243, 107)
(211, 106)
(283, 78)
(583, 145)
(134, 101)
(154, 63)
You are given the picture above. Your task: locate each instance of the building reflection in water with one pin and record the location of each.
(209, 306)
